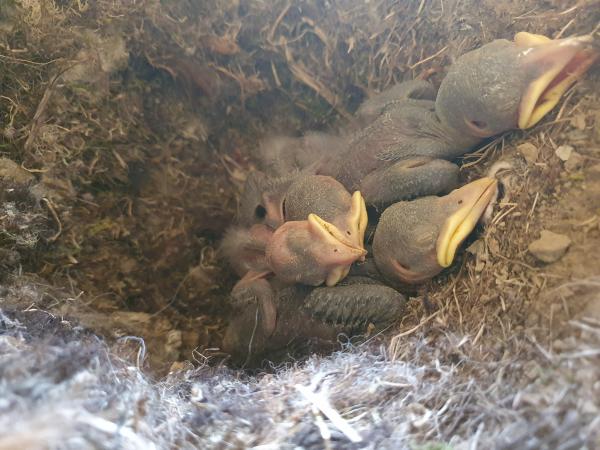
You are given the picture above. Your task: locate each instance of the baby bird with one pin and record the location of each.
(415, 240)
(411, 136)
(311, 234)
(274, 321)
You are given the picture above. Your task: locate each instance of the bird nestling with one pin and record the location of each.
(274, 319)
(280, 156)
(310, 234)
(415, 240)
(500, 86)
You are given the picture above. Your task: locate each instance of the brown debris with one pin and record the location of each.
(550, 247)
(10, 171)
(529, 151)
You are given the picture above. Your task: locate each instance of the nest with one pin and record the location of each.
(65, 388)
(128, 129)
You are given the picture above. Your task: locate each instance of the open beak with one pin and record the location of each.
(337, 252)
(557, 64)
(473, 198)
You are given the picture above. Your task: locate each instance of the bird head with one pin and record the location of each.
(416, 240)
(511, 84)
(311, 252)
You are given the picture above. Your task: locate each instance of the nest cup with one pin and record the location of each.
(127, 132)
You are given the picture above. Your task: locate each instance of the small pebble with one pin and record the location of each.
(529, 151)
(550, 247)
(564, 152)
(532, 370)
(574, 162)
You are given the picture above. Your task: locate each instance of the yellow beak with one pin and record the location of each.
(559, 63)
(346, 253)
(474, 198)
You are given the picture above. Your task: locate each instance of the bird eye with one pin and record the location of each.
(260, 212)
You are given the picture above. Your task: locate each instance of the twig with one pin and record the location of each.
(541, 349)
(535, 200)
(33, 170)
(277, 22)
(428, 58)
(502, 215)
(56, 218)
(322, 426)
(561, 32)
(141, 355)
(584, 326)
(480, 154)
(323, 405)
(587, 282)
(37, 117)
(14, 60)
(479, 333)
(168, 305)
(460, 316)
(475, 441)
(129, 437)
(302, 75)
(546, 15)
(415, 328)
(588, 352)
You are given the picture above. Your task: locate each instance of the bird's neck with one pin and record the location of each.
(457, 142)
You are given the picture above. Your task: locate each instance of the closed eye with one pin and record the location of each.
(478, 128)
(479, 124)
